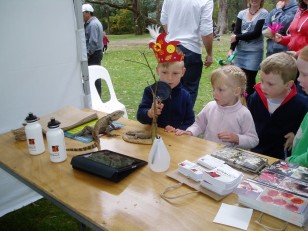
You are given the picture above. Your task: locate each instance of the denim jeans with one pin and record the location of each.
(191, 79)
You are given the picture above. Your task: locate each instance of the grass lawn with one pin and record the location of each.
(129, 80)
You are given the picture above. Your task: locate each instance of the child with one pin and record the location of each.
(105, 43)
(176, 111)
(300, 147)
(276, 107)
(225, 120)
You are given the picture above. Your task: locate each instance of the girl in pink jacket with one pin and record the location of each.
(226, 120)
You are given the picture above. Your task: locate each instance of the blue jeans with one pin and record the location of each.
(191, 79)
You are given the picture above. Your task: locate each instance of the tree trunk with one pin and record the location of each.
(107, 12)
(159, 5)
(244, 6)
(138, 17)
(222, 24)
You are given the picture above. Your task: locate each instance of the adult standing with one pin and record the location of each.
(283, 14)
(247, 41)
(94, 36)
(297, 36)
(189, 22)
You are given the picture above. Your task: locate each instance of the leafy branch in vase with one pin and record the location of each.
(156, 100)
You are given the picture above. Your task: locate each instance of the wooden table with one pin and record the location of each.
(132, 204)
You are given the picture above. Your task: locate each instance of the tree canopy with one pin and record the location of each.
(132, 16)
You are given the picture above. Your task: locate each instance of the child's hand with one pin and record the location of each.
(289, 142)
(180, 132)
(228, 137)
(159, 108)
(169, 128)
(230, 53)
(277, 38)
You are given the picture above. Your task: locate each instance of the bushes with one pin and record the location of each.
(122, 22)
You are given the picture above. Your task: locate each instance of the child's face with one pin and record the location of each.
(225, 95)
(302, 66)
(171, 74)
(273, 86)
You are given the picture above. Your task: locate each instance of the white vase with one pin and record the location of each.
(159, 158)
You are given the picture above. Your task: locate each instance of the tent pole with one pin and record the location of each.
(82, 51)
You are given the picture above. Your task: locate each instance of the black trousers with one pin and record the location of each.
(251, 81)
(191, 79)
(96, 59)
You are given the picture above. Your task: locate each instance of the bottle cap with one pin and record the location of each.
(31, 118)
(53, 123)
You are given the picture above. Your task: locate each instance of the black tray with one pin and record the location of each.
(108, 164)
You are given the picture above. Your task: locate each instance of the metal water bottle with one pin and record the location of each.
(34, 135)
(55, 141)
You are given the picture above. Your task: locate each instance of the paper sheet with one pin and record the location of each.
(233, 216)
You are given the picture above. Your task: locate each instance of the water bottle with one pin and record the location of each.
(34, 135)
(55, 141)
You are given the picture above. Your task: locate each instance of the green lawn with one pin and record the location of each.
(129, 80)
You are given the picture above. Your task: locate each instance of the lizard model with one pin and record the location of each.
(138, 137)
(101, 126)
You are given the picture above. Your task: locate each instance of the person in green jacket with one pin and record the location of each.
(300, 143)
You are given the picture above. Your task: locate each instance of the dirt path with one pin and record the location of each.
(129, 42)
(122, 44)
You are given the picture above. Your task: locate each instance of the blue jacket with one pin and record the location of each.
(177, 112)
(284, 17)
(94, 35)
(271, 128)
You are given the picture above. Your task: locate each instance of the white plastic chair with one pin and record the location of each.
(99, 72)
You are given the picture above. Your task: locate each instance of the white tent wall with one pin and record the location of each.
(40, 72)
(39, 63)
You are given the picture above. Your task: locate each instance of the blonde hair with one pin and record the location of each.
(304, 53)
(167, 64)
(235, 77)
(282, 64)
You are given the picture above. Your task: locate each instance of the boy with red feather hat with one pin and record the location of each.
(176, 111)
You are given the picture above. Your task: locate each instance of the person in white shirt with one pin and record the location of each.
(190, 22)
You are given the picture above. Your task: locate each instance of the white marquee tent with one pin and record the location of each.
(43, 64)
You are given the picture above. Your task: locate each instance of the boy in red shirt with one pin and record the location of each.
(105, 43)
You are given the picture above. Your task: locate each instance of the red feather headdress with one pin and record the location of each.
(164, 51)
